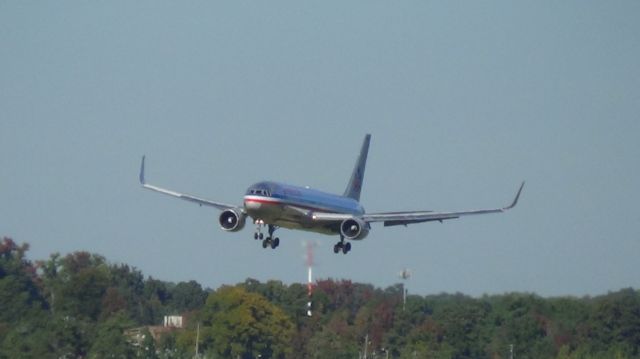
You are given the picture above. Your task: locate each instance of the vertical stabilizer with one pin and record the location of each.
(355, 183)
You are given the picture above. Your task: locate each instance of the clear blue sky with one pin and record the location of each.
(463, 99)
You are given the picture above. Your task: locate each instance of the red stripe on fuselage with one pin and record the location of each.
(269, 201)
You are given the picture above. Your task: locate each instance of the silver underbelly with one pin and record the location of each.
(282, 216)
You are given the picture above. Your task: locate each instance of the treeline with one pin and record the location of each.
(80, 305)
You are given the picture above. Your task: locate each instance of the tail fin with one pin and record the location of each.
(355, 183)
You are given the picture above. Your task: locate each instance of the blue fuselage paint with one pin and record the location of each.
(292, 206)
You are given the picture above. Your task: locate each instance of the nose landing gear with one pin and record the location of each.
(258, 235)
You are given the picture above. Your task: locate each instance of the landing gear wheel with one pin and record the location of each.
(255, 236)
(337, 247)
(261, 236)
(275, 242)
(265, 243)
(346, 248)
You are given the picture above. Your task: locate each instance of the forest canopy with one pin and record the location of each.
(80, 305)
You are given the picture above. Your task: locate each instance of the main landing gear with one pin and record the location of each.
(343, 246)
(270, 241)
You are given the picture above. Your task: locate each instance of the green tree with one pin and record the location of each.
(22, 307)
(20, 296)
(239, 323)
(187, 296)
(110, 341)
(157, 296)
(26, 339)
(327, 343)
(522, 320)
(615, 320)
(82, 281)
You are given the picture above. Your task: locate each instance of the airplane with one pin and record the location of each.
(277, 205)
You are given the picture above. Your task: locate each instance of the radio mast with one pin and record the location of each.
(309, 262)
(404, 275)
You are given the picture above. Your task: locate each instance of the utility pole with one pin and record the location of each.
(404, 297)
(366, 343)
(404, 275)
(197, 339)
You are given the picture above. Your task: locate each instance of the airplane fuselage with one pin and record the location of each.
(290, 206)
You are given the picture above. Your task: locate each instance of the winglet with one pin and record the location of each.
(142, 171)
(515, 200)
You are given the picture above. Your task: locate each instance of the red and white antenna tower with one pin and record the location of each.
(309, 262)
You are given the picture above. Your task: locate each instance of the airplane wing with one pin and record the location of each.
(404, 218)
(186, 197)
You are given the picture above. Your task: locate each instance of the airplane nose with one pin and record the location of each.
(249, 204)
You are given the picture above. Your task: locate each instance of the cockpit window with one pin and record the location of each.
(261, 189)
(259, 192)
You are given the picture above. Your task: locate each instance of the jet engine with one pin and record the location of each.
(232, 221)
(354, 228)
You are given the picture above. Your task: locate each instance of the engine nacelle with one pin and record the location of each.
(354, 228)
(232, 221)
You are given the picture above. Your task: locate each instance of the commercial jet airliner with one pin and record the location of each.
(274, 205)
